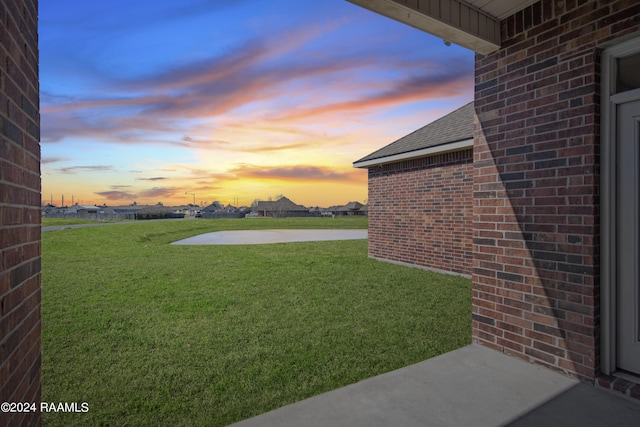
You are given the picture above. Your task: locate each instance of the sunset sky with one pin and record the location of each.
(230, 100)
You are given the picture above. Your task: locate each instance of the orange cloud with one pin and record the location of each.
(295, 173)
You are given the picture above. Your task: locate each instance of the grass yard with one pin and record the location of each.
(152, 334)
(46, 222)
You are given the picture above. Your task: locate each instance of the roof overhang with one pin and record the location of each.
(474, 24)
(425, 152)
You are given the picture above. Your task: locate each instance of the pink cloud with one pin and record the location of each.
(426, 86)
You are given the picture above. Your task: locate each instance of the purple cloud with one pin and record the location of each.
(157, 178)
(75, 169)
(116, 195)
(159, 192)
(276, 70)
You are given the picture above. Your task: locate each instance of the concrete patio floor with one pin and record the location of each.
(471, 386)
(258, 237)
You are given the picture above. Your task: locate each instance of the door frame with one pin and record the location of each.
(608, 203)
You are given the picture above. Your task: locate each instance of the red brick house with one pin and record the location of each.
(19, 209)
(420, 196)
(556, 197)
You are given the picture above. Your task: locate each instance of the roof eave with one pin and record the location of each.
(429, 151)
(456, 22)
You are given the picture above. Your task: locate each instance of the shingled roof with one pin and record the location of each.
(451, 132)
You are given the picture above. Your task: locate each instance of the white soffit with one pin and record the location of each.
(500, 9)
(430, 151)
(474, 24)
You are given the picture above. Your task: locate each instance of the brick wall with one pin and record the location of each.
(535, 209)
(420, 212)
(19, 209)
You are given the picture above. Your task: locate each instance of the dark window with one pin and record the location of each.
(628, 77)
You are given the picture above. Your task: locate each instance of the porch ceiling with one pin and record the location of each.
(474, 24)
(500, 9)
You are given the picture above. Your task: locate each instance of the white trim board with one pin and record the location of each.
(439, 149)
(608, 142)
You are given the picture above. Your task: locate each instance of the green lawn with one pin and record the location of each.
(46, 222)
(153, 334)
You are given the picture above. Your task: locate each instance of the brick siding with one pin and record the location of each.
(420, 212)
(19, 210)
(536, 174)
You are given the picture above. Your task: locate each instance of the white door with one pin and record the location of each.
(628, 237)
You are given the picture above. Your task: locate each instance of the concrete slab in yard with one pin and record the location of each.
(472, 386)
(255, 237)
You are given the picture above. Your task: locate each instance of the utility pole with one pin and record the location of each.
(194, 197)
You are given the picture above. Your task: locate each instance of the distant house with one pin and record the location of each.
(420, 196)
(212, 210)
(158, 212)
(213, 207)
(123, 212)
(282, 207)
(316, 211)
(75, 211)
(351, 208)
(217, 210)
(354, 208)
(82, 210)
